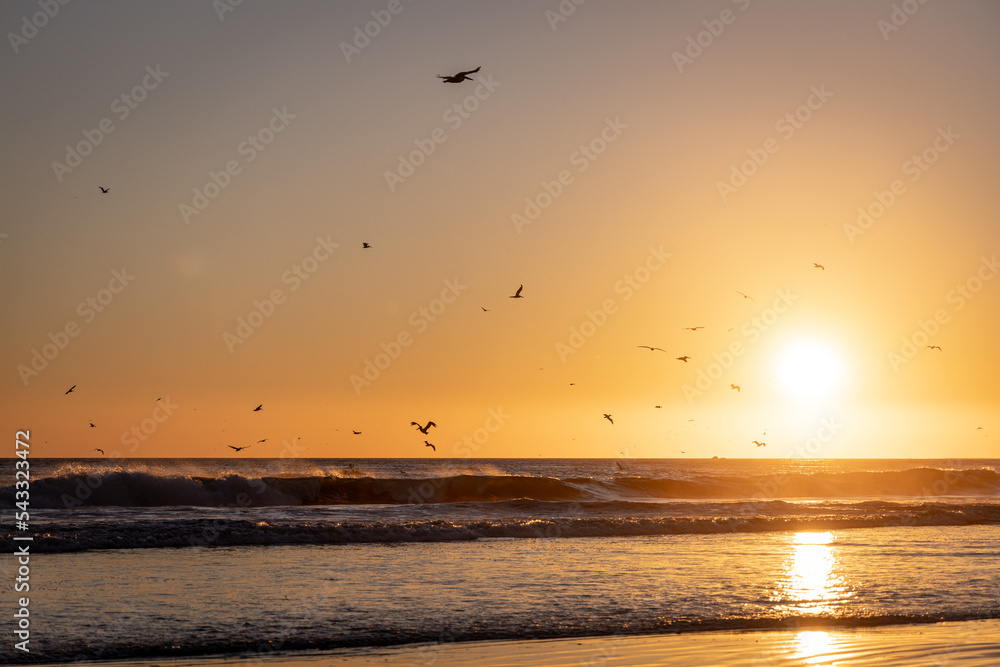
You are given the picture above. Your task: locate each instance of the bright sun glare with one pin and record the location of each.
(810, 371)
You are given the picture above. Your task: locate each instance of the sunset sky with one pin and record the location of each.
(633, 164)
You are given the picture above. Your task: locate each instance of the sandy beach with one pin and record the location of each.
(966, 644)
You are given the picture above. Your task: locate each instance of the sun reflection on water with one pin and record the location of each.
(811, 584)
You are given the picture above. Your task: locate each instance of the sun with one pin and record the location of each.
(810, 370)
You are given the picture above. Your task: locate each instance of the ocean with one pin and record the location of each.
(160, 558)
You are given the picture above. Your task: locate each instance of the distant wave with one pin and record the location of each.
(122, 488)
(68, 536)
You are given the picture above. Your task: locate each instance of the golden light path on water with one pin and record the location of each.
(811, 583)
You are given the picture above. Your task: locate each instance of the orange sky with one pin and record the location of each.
(633, 166)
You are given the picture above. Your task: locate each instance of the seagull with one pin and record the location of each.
(745, 296)
(652, 348)
(979, 428)
(71, 389)
(427, 444)
(760, 444)
(517, 294)
(356, 432)
(238, 448)
(734, 386)
(619, 464)
(608, 417)
(692, 328)
(485, 310)
(423, 429)
(262, 440)
(934, 347)
(460, 77)
(365, 245)
(258, 408)
(684, 358)
(92, 425)
(818, 266)
(657, 406)
(98, 449)
(104, 190)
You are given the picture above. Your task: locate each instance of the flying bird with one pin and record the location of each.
(657, 406)
(427, 444)
(460, 77)
(485, 310)
(262, 440)
(517, 294)
(608, 417)
(684, 358)
(238, 448)
(760, 444)
(979, 428)
(71, 389)
(423, 429)
(104, 190)
(734, 386)
(92, 425)
(934, 347)
(98, 449)
(365, 245)
(258, 408)
(692, 328)
(356, 432)
(745, 296)
(652, 348)
(818, 266)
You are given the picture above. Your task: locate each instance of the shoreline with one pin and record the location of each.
(965, 643)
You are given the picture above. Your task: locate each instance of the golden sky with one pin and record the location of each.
(637, 166)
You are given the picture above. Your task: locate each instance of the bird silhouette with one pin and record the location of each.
(98, 449)
(104, 190)
(651, 349)
(608, 417)
(427, 444)
(934, 347)
(692, 328)
(619, 464)
(485, 310)
(745, 296)
(460, 77)
(760, 444)
(238, 448)
(356, 432)
(71, 389)
(365, 245)
(684, 358)
(92, 425)
(979, 428)
(517, 294)
(734, 386)
(258, 408)
(657, 406)
(423, 429)
(819, 266)
(262, 440)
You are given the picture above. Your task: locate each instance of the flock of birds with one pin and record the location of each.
(459, 78)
